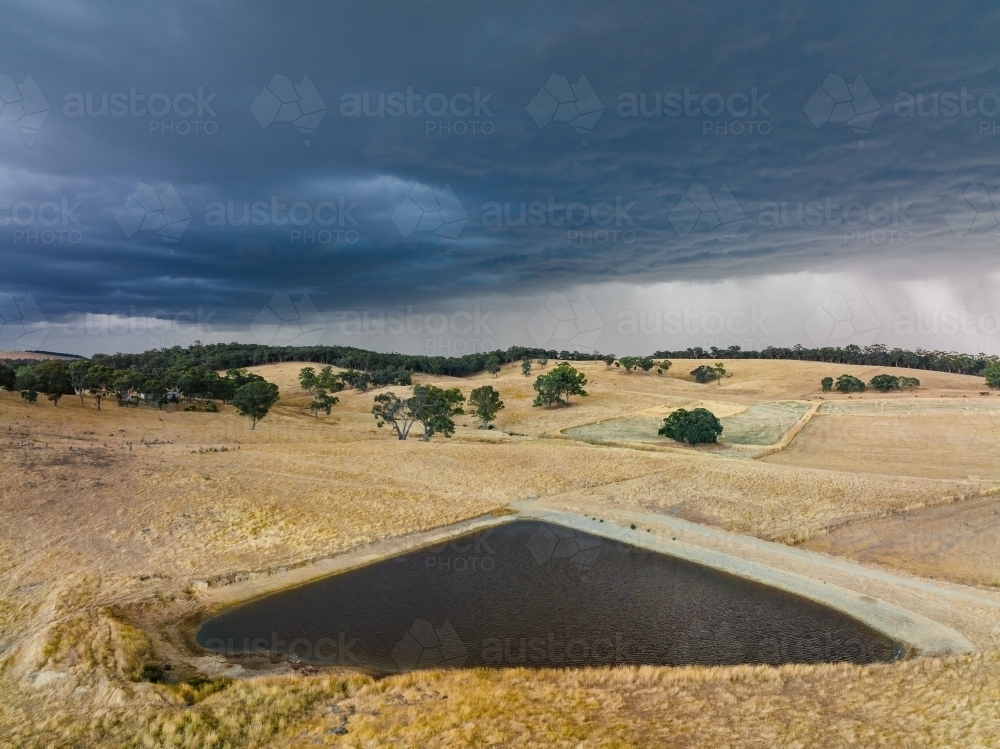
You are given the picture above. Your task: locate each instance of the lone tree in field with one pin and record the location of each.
(720, 371)
(663, 365)
(609, 359)
(254, 400)
(307, 379)
(53, 380)
(322, 401)
(992, 374)
(526, 367)
(493, 365)
(694, 427)
(433, 407)
(563, 380)
(849, 384)
(827, 384)
(430, 405)
(486, 402)
(392, 410)
(884, 383)
(704, 373)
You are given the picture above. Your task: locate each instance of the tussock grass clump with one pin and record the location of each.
(261, 712)
(198, 688)
(95, 646)
(928, 702)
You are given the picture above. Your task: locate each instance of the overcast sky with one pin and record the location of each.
(443, 177)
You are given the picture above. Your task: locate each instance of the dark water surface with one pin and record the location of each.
(533, 594)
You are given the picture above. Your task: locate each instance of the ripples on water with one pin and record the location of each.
(533, 594)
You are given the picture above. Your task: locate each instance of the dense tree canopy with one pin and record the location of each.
(877, 355)
(254, 400)
(7, 377)
(704, 373)
(556, 386)
(78, 376)
(432, 406)
(628, 363)
(992, 375)
(224, 356)
(51, 377)
(487, 404)
(193, 372)
(100, 382)
(884, 383)
(696, 426)
(322, 401)
(849, 384)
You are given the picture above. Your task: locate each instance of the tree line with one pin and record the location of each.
(224, 356)
(884, 383)
(249, 393)
(384, 367)
(877, 355)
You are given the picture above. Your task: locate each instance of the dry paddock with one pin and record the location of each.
(108, 515)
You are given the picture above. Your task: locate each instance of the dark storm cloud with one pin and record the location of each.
(743, 175)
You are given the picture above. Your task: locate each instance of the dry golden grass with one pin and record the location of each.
(108, 515)
(957, 542)
(926, 444)
(30, 355)
(935, 703)
(779, 503)
(794, 706)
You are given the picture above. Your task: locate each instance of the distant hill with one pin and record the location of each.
(38, 355)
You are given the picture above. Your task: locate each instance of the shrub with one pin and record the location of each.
(255, 399)
(152, 672)
(827, 384)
